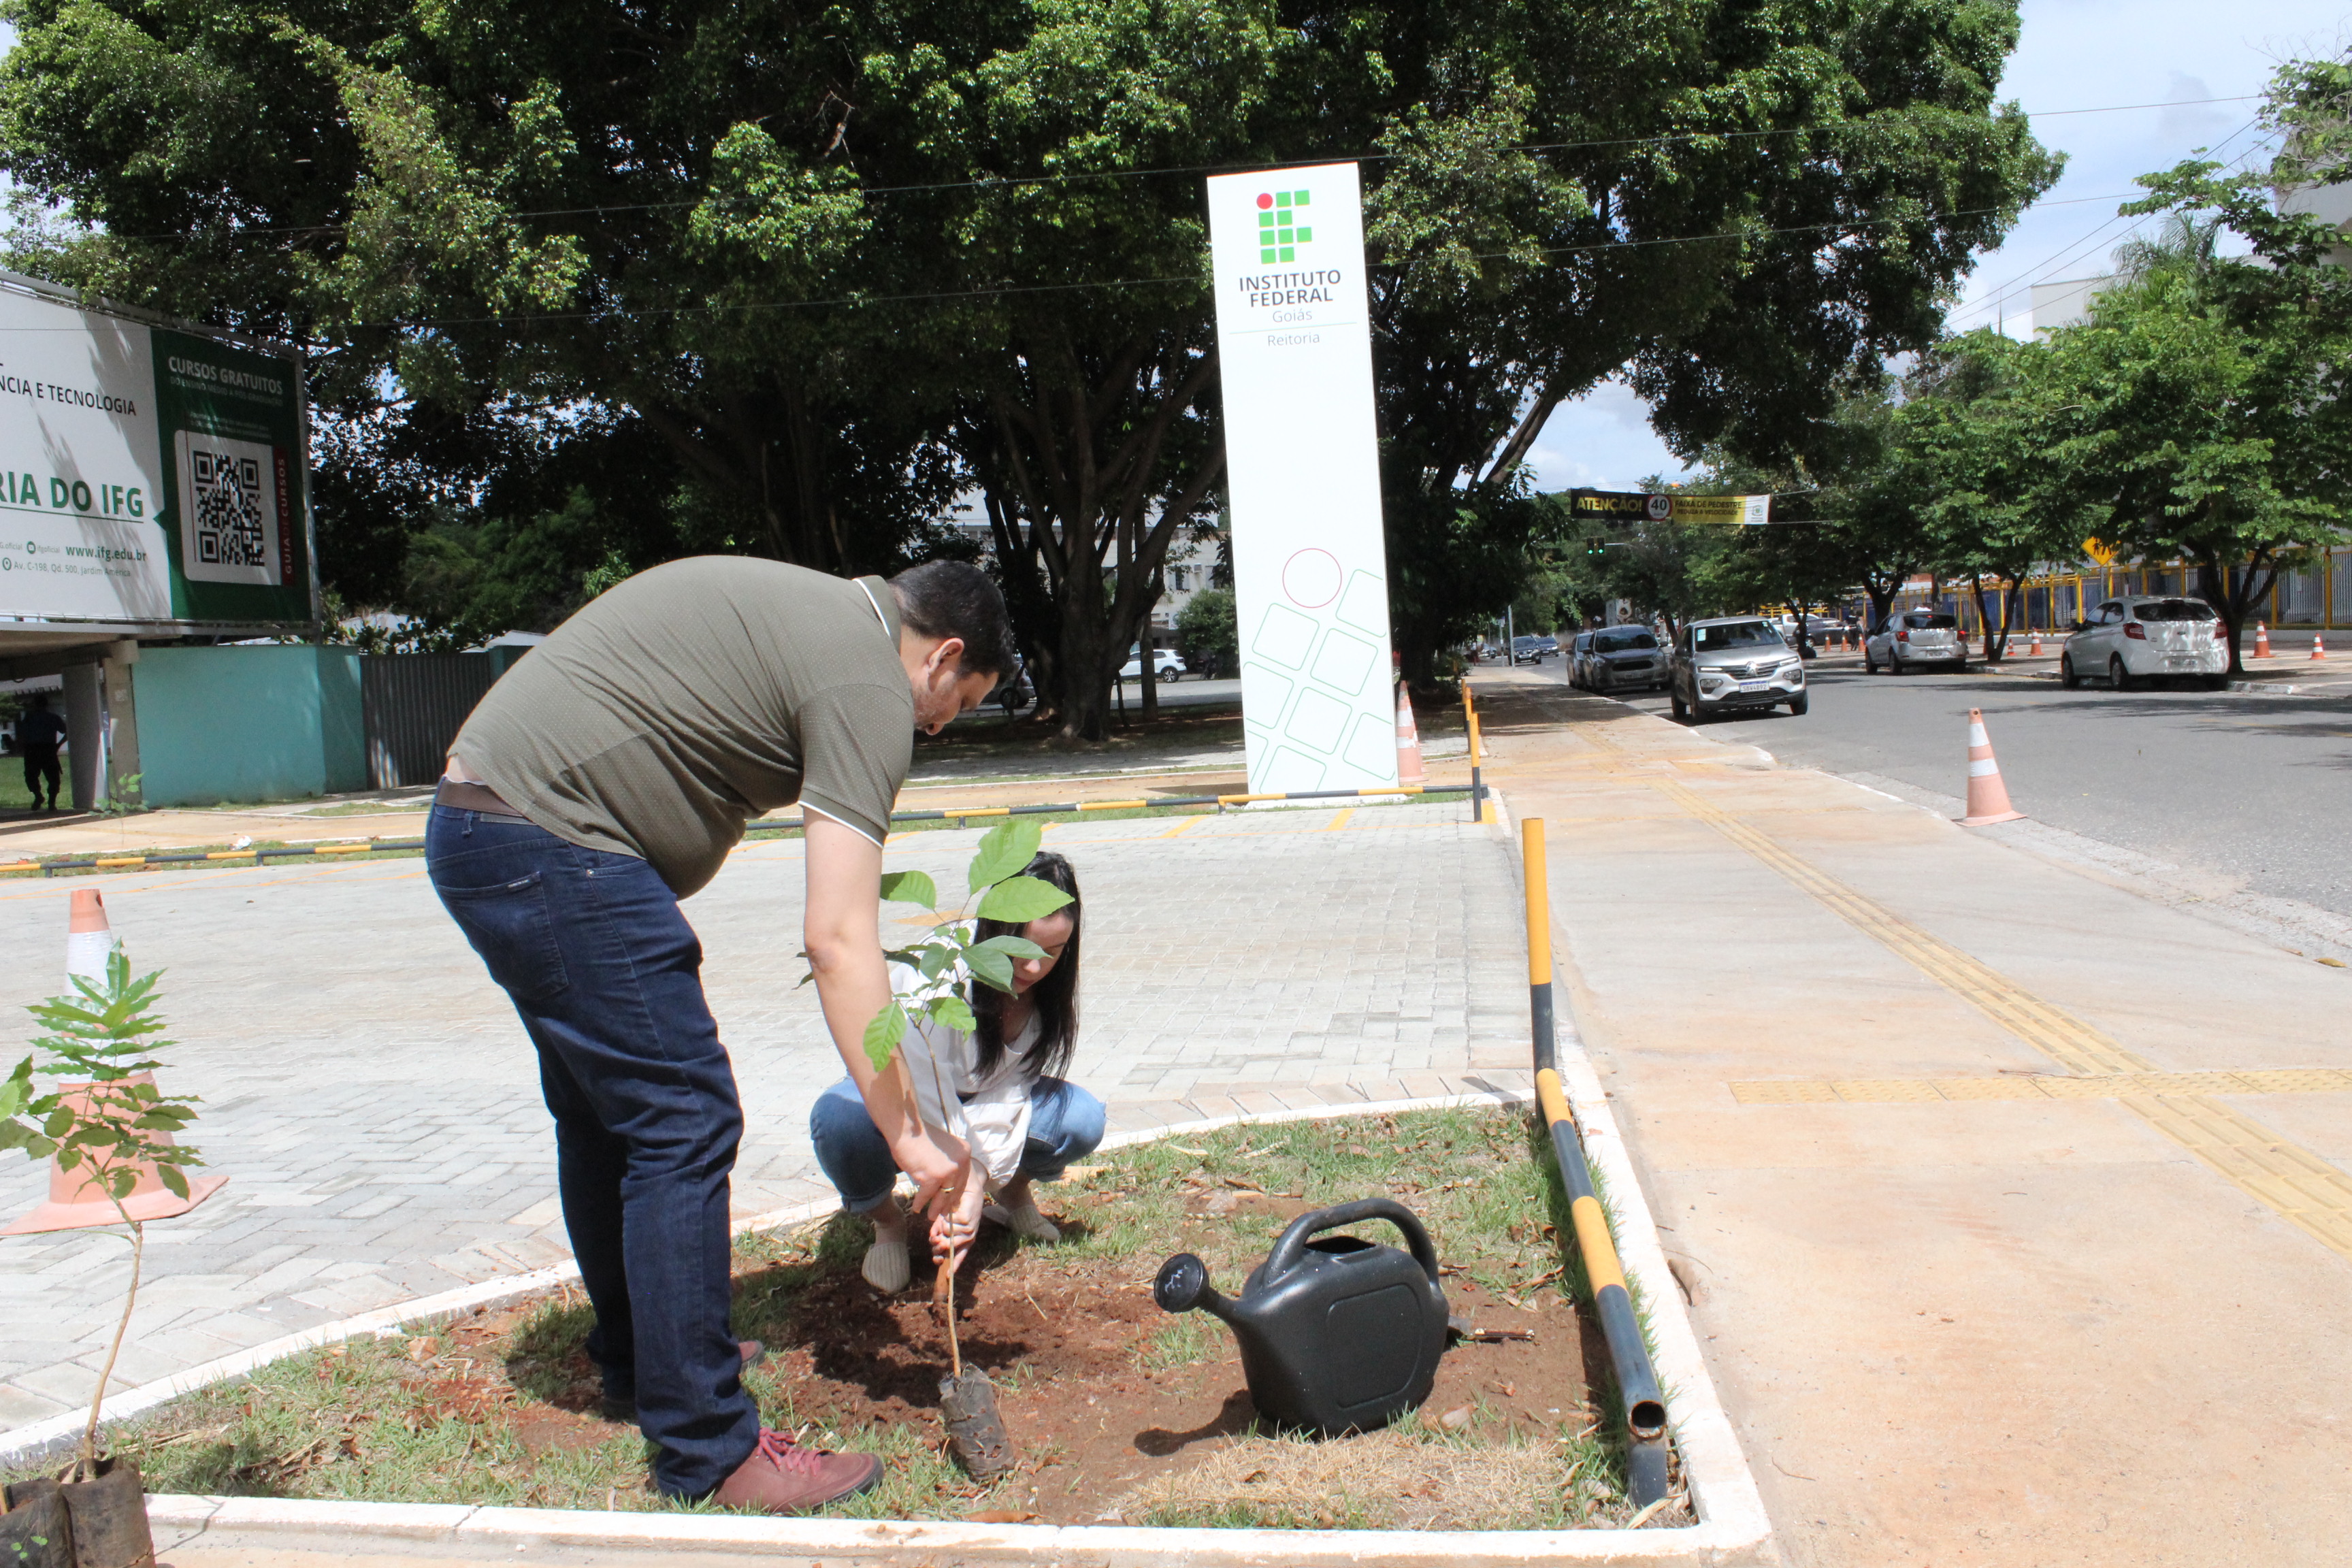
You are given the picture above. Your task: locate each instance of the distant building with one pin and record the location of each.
(2067, 302)
(1191, 566)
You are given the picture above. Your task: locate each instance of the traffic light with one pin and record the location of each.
(1596, 550)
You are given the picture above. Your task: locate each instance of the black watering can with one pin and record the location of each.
(1337, 1334)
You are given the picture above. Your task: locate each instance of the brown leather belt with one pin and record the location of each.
(460, 795)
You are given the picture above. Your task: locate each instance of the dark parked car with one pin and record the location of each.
(1621, 658)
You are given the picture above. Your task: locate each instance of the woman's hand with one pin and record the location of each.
(957, 1225)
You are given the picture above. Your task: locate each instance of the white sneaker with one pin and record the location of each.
(1025, 1222)
(885, 1266)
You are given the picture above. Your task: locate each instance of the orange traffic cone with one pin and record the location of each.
(2036, 651)
(2261, 641)
(76, 1201)
(2318, 646)
(1409, 768)
(90, 940)
(1988, 796)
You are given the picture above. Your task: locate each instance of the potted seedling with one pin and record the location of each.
(944, 965)
(107, 1119)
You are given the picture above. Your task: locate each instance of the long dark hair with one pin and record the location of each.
(1055, 998)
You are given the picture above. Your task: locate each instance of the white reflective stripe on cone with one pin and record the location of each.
(1979, 766)
(1976, 736)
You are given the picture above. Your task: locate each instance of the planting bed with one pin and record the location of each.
(1122, 1412)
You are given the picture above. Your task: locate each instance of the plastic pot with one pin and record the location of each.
(33, 1531)
(108, 1517)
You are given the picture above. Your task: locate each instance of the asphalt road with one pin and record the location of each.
(2253, 787)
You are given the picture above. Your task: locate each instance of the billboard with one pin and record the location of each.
(1310, 564)
(1752, 511)
(153, 478)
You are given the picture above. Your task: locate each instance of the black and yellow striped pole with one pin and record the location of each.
(1637, 1380)
(1478, 810)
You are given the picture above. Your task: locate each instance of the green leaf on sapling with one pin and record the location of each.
(991, 967)
(1005, 851)
(911, 888)
(173, 1180)
(1017, 900)
(937, 956)
(956, 1014)
(1012, 947)
(883, 1035)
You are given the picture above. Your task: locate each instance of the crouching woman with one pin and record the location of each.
(997, 1092)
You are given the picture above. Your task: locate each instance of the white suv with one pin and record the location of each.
(1733, 664)
(2132, 639)
(1167, 665)
(1916, 637)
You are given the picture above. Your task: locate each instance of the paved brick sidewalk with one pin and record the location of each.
(374, 1102)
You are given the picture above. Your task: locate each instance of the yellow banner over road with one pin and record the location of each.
(1671, 506)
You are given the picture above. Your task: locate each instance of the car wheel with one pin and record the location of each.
(1682, 709)
(2067, 678)
(1869, 665)
(2217, 683)
(1894, 664)
(1170, 677)
(1797, 705)
(1961, 668)
(2118, 678)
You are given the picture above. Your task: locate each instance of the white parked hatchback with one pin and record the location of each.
(2136, 639)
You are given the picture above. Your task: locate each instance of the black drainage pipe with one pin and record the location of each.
(1612, 1303)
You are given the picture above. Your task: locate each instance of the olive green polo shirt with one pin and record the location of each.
(680, 704)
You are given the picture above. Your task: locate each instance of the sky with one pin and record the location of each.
(2071, 55)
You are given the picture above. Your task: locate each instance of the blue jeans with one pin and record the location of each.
(607, 975)
(1065, 1123)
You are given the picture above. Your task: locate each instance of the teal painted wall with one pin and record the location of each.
(275, 722)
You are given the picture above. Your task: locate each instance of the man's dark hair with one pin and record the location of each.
(955, 599)
(39, 699)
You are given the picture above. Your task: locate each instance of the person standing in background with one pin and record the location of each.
(39, 734)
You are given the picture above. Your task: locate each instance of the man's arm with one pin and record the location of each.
(843, 933)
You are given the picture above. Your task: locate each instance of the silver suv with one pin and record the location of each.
(1733, 663)
(1915, 638)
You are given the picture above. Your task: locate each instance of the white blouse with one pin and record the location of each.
(989, 1116)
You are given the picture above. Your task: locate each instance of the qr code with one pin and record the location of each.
(229, 509)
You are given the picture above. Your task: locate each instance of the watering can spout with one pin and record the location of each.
(1183, 1284)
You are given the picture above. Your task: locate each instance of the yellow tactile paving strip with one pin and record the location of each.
(2295, 1183)
(2037, 1086)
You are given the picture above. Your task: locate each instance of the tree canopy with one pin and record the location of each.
(785, 278)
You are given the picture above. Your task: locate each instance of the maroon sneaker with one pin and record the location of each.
(624, 1406)
(781, 1477)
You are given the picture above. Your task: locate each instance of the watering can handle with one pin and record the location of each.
(1294, 1240)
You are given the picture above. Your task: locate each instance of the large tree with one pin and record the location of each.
(2206, 406)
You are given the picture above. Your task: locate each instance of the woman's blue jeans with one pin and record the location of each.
(607, 977)
(1065, 1123)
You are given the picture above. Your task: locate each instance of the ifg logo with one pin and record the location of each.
(1281, 228)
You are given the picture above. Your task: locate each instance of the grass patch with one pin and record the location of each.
(501, 1408)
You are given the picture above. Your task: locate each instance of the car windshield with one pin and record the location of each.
(1928, 621)
(1622, 642)
(2173, 610)
(1737, 633)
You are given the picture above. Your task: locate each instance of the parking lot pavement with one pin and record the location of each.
(2014, 1204)
(374, 1103)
